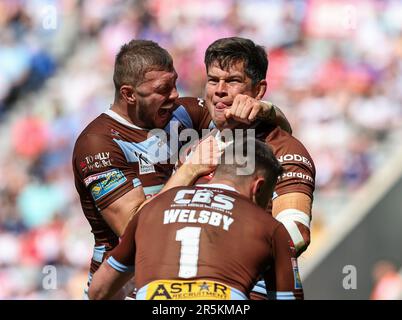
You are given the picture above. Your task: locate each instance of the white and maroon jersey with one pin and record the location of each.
(112, 156)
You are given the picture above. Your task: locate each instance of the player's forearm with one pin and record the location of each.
(184, 176)
(104, 293)
(100, 288)
(107, 283)
(273, 114)
(267, 112)
(281, 120)
(98, 292)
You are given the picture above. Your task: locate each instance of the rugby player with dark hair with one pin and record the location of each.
(236, 82)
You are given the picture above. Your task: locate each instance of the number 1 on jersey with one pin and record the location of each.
(190, 245)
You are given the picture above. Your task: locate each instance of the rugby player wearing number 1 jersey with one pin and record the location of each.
(208, 241)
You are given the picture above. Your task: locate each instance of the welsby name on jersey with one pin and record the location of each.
(197, 216)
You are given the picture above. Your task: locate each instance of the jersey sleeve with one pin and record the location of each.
(196, 111)
(102, 169)
(282, 279)
(122, 258)
(299, 168)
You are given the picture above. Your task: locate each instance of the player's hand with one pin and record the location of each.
(204, 157)
(246, 109)
(305, 232)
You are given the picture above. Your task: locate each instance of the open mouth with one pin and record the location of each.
(165, 113)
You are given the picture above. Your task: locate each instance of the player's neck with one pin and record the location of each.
(122, 109)
(227, 182)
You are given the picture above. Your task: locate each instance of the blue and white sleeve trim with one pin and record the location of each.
(119, 266)
(281, 295)
(260, 287)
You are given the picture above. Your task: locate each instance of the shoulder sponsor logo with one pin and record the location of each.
(94, 177)
(297, 175)
(103, 183)
(83, 166)
(144, 164)
(294, 158)
(97, 161)
(114, 132)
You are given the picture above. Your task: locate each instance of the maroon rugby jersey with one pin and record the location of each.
(299, 169)
(112, 156)
(229, 240)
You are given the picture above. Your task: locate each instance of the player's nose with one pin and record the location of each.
(221, 89)
(174, 94)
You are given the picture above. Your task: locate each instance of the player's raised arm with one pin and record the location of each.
(246, 109)
(280, 118)
(293, 196)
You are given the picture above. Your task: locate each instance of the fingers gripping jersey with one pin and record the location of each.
(204, 233)
(112, 156)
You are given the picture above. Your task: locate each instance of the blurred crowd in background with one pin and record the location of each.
(335, 70)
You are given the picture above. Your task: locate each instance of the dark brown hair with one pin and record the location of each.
(227, 51)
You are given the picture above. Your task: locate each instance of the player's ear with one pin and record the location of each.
(257, 190)
(127, 93)
(261, 89)
(258, 185)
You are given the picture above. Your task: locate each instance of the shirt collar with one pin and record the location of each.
(121, 120)
(218, 186)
